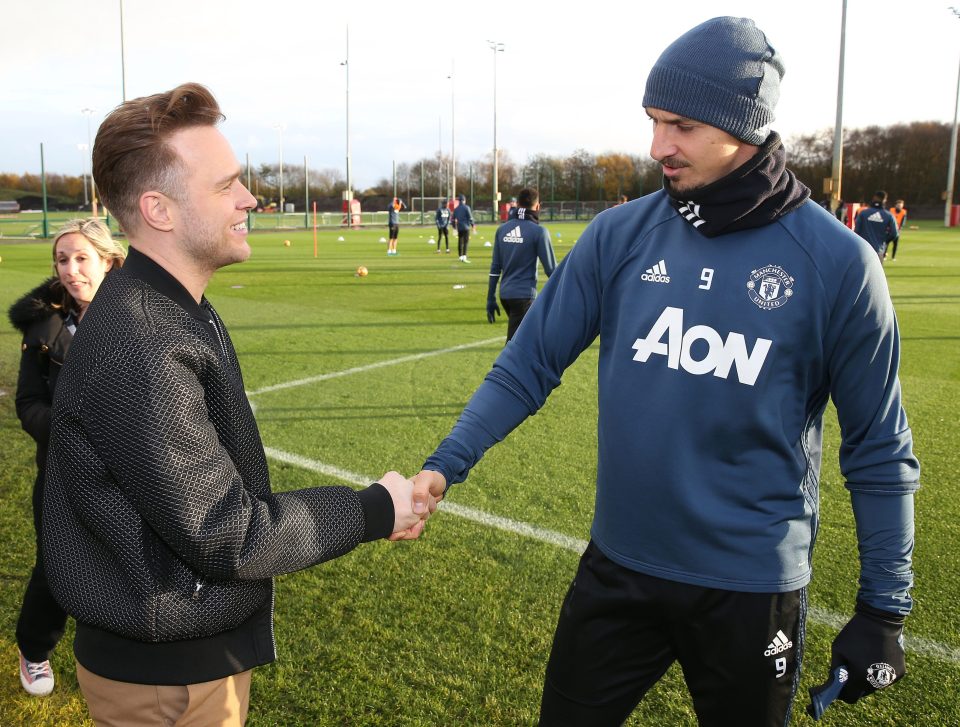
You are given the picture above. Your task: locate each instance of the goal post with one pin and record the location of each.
(428, 205)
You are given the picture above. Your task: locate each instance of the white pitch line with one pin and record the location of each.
(370, 367)
(916, 644)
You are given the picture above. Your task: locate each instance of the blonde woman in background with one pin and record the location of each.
(83, 255)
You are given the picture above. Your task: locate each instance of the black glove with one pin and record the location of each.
(821, 697)
(493, 310)
(870, 646)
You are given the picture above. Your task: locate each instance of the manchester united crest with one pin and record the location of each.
(770, 287)
(881, 675)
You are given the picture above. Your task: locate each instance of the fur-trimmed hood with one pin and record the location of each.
(37, 305)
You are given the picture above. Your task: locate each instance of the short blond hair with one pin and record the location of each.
(99, 237)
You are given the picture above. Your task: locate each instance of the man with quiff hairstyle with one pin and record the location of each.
(161, 531)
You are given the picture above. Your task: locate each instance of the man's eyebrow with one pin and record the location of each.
(228, 178)
(674, 121)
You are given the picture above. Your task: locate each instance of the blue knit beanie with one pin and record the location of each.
(723, 73)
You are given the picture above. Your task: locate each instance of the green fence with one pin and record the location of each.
(33, 224)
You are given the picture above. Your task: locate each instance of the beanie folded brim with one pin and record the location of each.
(685, 94)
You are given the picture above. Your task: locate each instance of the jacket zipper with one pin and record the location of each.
(214, 320)
(216, 328)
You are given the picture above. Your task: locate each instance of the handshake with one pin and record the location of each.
(413, 501)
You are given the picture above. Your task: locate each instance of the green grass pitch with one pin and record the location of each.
(455, 629)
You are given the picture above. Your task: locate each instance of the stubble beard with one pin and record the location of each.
(674, 188)
(678, 191)
(206, 246)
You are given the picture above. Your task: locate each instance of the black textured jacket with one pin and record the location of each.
(46, 340)
(161, 533)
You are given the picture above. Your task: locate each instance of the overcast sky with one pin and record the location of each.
(571, 75)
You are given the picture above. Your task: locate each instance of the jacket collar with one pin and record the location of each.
(755, 194)
(143, 268)
(524, 213)
(38, 304)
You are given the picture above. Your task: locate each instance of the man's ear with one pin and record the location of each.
(157, 210)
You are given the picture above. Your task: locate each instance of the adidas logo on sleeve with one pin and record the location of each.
(656, 274)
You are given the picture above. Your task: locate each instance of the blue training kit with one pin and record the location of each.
(443, 217)
(463, 217)
(877, 226)
(718, 355)
(518, 244)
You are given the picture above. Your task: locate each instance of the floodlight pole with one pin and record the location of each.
(93, 185)
(43, 193)
(83, 171)
(123, 59)
(346, 66)
(453, 145)
(952, 163)
(279, 127)
(496, 47)
(837, 171)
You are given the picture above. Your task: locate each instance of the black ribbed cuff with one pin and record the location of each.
(885, 617)
(378, 513)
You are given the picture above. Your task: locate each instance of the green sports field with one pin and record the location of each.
(353, 376)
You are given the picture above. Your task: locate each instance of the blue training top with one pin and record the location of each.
(717, 359)
(462, 217)
(877, 226)
(518, 244)
(393, 215)
(443, 217)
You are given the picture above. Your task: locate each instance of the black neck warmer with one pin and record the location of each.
(525, 213)
(752, 195)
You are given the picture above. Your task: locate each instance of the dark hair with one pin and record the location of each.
(131, 154)
(528, 197)
(880, 196)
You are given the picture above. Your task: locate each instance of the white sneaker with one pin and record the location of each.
(465, 259)
(36, 677)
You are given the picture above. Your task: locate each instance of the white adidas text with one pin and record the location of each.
(781, 642)
(514, 236)
(656, 274)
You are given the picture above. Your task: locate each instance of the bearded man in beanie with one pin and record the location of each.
(729, 308)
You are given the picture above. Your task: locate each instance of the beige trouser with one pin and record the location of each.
(220, 703)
